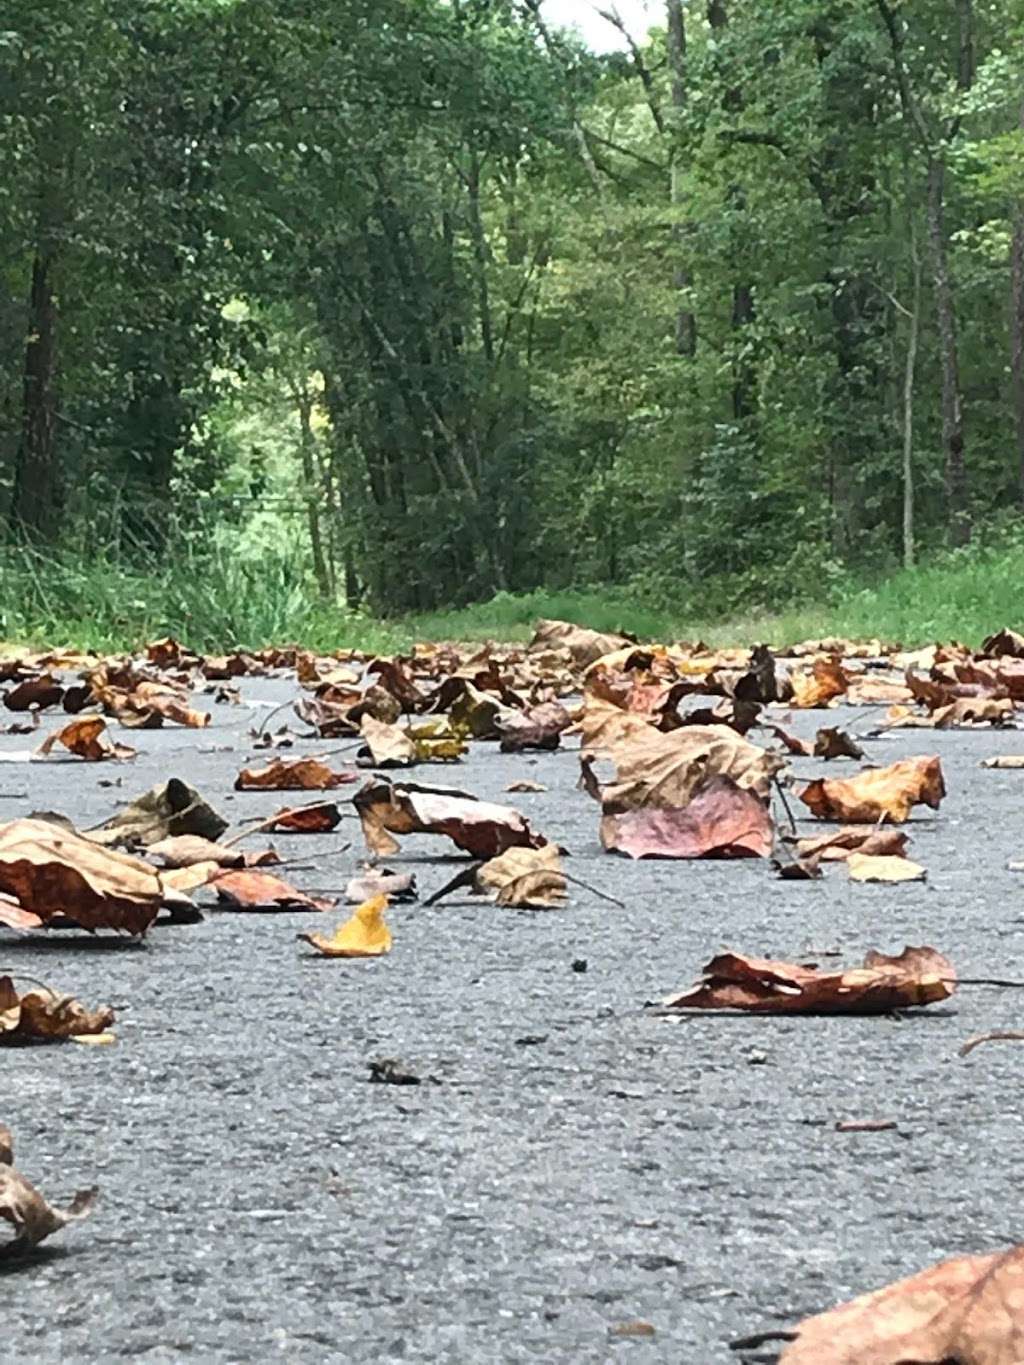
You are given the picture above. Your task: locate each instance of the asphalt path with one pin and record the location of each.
(571, 1162)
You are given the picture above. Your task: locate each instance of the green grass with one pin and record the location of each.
(217, 602)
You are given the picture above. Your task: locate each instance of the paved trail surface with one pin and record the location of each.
(582, 1164)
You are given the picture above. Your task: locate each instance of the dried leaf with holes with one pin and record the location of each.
(21, 1205)
(866, 867)
(244, 889)
(478, 827)
(528, 878)
(41, 1015)
(86, 737)
(364, 935)
(969, 1310)
(918, 976)
(878, 793)
(292, 774)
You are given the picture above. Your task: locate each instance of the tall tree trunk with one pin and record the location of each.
(37, 496)
(686, 323)
(909, 372)
(958, 513)
(316, 543)
(744, 381)
(1017, 329)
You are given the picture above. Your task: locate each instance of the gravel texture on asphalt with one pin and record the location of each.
(571, 1162)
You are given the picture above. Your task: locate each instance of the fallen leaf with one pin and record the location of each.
(969, 1310)
(170, 808)
(919, 976)
(632, 1329)
(319, 817)
(379, 881)
(387, 746)
(51, 870)
(866, 1125)
(32, 1218)
(839, 845)
(1004, 642)
(584, 646)
(834, 743)
(527, 878)
(666, 770)
(292, 774)
(87, 738)
(39, 692)
(390, 1071)
(186, 850)
(1003, 761)
(245, 889)
(540, 727)
(478, 827)
(823, 684)
(866, 867)
(364, 935)
(41, 1015)
(877, 793)
(721, 820)
(526, 784)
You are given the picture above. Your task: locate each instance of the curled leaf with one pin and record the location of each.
(878, 793)
(364, 935)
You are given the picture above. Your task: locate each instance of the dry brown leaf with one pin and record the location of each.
(39, 692)
(41, 1015)
(721, 820)
(969, 1310)
(655, 769)
(318, 818)
(878, 793)
(245, 889)
(528, 878)
(170, 808)
(919, 976)
(822, 685)
(187, 850)
(364, 935)
(387, 746)
(87, 738)
(51, 870)
(526, 784)
(539, 727)
(583, 646)
(292, 774)
(831, 742)
(867, 867)
(478, 827)
(32, 1218)
(838, 846)
(1004, 761)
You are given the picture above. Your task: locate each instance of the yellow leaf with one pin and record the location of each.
(867, 867)
(94, 1039)
(364, 935)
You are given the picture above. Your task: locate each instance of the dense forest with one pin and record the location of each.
(436, 301)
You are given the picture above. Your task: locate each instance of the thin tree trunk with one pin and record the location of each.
(36, 499)
(914, 324)
(952, 406)
(686, 322)
(1017, 329)
(316, 544)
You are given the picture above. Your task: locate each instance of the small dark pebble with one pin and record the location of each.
(579, 964)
